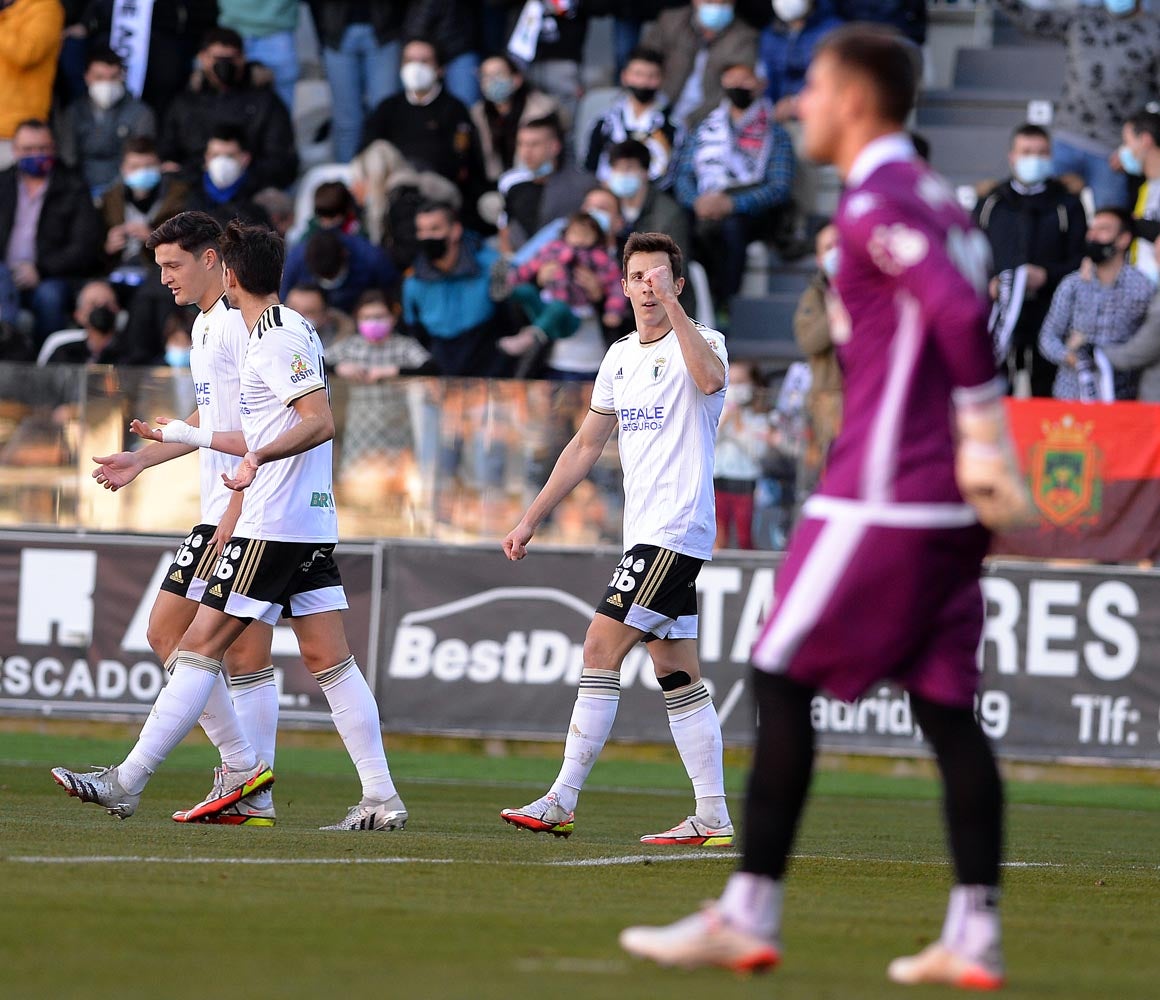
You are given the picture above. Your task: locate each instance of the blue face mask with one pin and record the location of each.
(177, 357)
(1120, 7)
(39, 165)
(715, 16)
(830, 261)
(623, 185)
(1032, 170)
(145, 179)
(603, 219)
(1130, 162)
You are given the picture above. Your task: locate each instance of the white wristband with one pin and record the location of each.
(179, 432)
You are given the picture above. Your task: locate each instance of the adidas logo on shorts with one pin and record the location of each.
(615, 601)
(216, 590)
(175, 576)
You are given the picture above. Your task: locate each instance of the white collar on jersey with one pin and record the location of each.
(885, 149)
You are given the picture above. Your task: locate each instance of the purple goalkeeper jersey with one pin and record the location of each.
(911, 333)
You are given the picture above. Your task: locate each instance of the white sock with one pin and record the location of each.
(753, 903)
(592, 718)
(971, 928)
(173, 715)
(697, 733)
(221, 723)
(356, 717)
(255, 698)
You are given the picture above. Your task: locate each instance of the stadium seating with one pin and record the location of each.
(761, 329)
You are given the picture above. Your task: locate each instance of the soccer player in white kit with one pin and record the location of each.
(186, 250)
(663, 386)
(280, 559)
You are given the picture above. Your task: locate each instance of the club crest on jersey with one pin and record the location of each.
(658, 369)
(897, 247)
(299, 369)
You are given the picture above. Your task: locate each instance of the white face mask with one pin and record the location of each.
(224, 171)
(105, 93)
(418, 76)
(791, 10)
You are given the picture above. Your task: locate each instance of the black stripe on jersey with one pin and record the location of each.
(271, 319)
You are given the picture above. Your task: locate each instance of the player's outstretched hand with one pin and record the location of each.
(115, 471)
(244, 474)
(515, 546)
(142, 429)
(660, 280)
(987, 472)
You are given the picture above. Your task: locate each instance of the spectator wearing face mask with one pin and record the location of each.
(267, 29)
(735, 174)
(811, 330)
(1093, 307)
(226, 90)
(343, 266)
(309, 301)
(508, 102)
(93, 340)
(1113, 66)
(227, 183)
(30, 40)
(94, 128)
(1033, 222)
(1140, 158)
(136, 203)
(787, 46)
(430, 127)
(644, 207)
(452, 26)
(50, 234)
(641, 114)
(540, 187)
(698, 41)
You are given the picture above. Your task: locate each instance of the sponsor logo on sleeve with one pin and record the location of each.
(300, 369)
(897, 248)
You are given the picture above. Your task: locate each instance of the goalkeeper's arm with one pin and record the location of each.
(985, 465)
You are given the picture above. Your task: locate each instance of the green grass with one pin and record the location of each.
(496, 918)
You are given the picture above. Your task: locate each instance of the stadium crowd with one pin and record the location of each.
(469, 216)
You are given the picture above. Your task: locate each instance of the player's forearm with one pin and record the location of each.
(229, 442)
(704, 366)
(158, 454)
(313, 430)
(573, 465)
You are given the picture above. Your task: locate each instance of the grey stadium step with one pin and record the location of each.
(1019, 69)
(761, 329)
(966, 154)
(968, 107)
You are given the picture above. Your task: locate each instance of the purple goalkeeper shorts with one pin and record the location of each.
(857, 603)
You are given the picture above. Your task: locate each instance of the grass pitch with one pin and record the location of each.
(459, 905)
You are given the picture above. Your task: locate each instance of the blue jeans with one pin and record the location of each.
(278, 52)
(1109, 187)
(625, 38)
(461, 77)
(362, 73)
(9, 299)
(50, 302)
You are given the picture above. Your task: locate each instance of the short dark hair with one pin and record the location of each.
(309, 287)
(653, 243)
(550, 122)
(1145, 122)
(36, 123)
(375, 297)
(883, 58)
(642, 53)
(1122, 214)
(333, 198)
(142, 145)
(512, 65)
(426, 207)
(255, 254)
(230, 132)
(737, 64)
(589, 223)
(1029, 130)
(440, 61)
(325, 254)
(222, 36)
(194, 232)
(631, 149)
(105, 56)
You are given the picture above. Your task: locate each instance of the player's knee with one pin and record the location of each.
(161, 639)
(599, 654)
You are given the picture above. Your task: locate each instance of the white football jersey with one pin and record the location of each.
(220, 338)
(667, 438)
(292, 499)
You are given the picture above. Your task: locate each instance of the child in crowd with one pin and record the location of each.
(553, 297)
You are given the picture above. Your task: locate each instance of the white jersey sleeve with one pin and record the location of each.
(603, 399)
(293, 365)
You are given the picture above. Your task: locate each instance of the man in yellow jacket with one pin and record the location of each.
(30, 37)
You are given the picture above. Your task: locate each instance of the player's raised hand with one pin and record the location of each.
(660, 280)
(244, 474)
(115, 471)
(515, 546)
